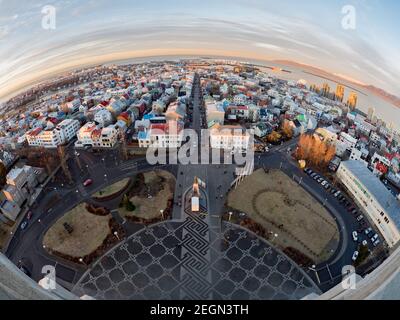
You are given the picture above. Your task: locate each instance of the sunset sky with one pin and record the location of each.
(93, 31)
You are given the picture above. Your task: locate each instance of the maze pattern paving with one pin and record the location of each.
(171, 261)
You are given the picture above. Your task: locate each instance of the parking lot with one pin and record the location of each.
(364, 235)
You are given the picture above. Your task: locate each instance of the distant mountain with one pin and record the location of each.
(374, 90)
(384, 95)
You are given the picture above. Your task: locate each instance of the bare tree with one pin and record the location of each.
(63, 162)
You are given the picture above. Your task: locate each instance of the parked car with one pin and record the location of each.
(88, 182)
(323, 183)
(338, 194)
(320, 180)
(24, 225)
(368, 231)
(354, 211)
(355, 235)
(365, 243)
(376, 242)
(375, 237)
(29, 215)
(327, 187)
(360, 217)
(355, 256)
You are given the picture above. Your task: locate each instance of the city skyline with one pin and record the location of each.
(90, 32)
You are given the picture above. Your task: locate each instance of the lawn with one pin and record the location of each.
(158, 187)
(112, 189)
(89, 233)
(284, 208)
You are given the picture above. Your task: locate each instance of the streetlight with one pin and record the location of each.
(230, 215)
(162, 213)
(116, 235)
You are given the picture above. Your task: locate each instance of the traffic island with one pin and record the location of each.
(112, 191)
(83, 234)
(149, 199)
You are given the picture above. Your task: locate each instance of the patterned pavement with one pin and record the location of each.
(173, 260)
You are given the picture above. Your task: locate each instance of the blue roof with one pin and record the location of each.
(148, 116)
(142, 135)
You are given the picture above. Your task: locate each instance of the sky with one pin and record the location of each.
(97, 31)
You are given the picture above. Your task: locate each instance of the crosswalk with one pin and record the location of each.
(128, 166)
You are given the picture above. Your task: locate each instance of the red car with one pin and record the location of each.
(88, 182)
(29, 215)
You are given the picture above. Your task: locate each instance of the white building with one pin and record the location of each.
(59, 135)
(103, 117)
(372, 196)
(229, 138)
(94, 136)
(21, 184)
(348, 140)
(215, 113)
(327, 135)
(240, 99)
(162, 135)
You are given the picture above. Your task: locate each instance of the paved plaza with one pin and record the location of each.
(174, 260)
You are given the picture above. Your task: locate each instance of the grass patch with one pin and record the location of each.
(150, 194)
(89, 233)
(112, 189)
(283, 207)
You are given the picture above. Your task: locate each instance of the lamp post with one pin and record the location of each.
(162, 214)
(82, 261)
(230, 215)
(116, 235)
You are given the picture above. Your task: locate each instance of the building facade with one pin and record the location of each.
(372, 196)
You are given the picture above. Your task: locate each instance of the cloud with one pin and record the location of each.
(257, 29)
(268, 46)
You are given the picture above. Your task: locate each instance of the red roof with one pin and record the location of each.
(124, 115)
(35, 132)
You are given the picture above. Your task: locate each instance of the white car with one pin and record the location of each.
(368, 231)
(355, 256)
(323, 183)
(374, 238)
(365, 243)
(355, 235)
(376, 242)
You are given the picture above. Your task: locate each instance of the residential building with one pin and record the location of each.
(374, 199)
(326, 135)
(94, 136)
(348, 140)
(215, 113)
(103, 117)
(229, 138)
(10, 209)
(54, 137)
(162, 135)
